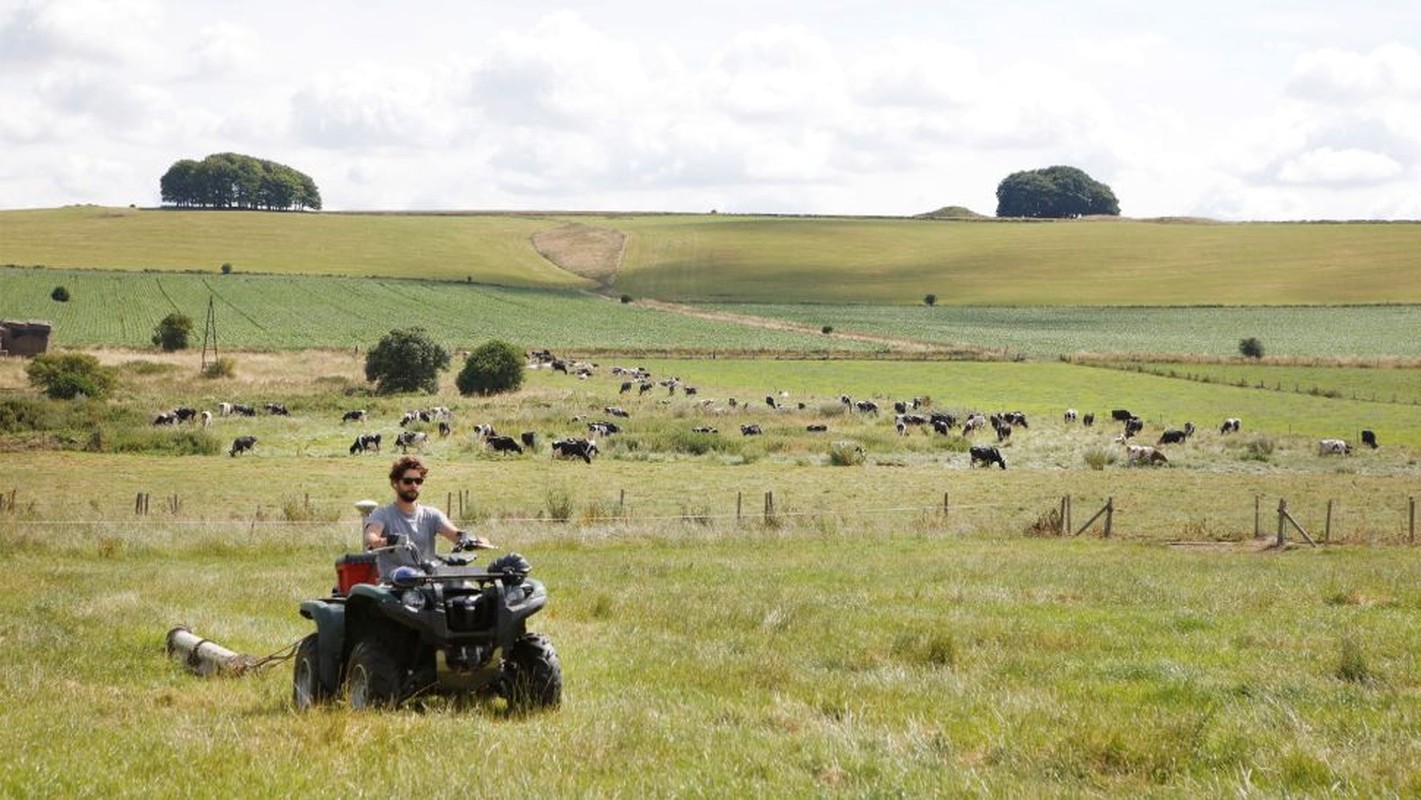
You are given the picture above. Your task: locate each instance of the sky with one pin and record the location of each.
(1239, 110)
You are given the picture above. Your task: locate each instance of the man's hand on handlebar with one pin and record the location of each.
(467, 543)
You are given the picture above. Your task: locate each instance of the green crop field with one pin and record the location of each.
(1294, 331)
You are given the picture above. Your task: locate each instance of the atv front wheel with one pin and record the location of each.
(372, 676)
(533, 674)
(307, 690)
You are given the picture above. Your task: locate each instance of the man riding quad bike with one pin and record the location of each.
(444, 626)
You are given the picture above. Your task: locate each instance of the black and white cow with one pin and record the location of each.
(1070, 416)
(603, 428)
(617, 411)
(365, 443)
(185, 414)
(1231, 425)
(242, 444)
(816, 427)
(166, 418)
(445, 428)
(503, 444)
(1369, 438)
(584, 449)
(704, 429)
(866, 406)
(1334, 447)
(277, 409)
(353, 416)
(1133, 426)
(750, 430)
(408, 439)
(1120, 415)
(1088, 420)
(986, 455)
(244, 410)
(529, 439)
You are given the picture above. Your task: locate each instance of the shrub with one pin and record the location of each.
(1250, 347)
(557, 501)
(827, 329)
(930, 299)
(1352, 664)
(65, 376)
(1259, 448)
(59, 295)
(406, 360)
(626, 298)
(223, 367)
(846, 454)
(493, 368)
(173, 332)
(1098, 458)
(226, 269)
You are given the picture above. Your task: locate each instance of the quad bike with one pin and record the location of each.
(444, 627)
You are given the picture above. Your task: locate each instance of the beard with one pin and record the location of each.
(409, 495)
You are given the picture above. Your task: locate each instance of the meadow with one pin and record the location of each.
(854, 613)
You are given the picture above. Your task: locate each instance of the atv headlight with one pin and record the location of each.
(413, 599)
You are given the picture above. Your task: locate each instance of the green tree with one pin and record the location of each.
(65, 376)
(406, 360)
(60, 294)
(930, 299)
(1054, 193)
(173, 332)
(494, 367)
(1250, 347)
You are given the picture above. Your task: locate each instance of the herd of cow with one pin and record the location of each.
(908, 415)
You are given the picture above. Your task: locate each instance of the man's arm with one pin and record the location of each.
(374, 534)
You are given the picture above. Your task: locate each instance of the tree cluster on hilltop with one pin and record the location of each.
(232, 180)
(1054, 193)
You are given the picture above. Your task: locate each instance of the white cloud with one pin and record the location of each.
(373, 106)
(1329, 167)
(1340, 76)
(102, 30)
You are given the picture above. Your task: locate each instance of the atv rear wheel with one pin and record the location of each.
(372, 676)
(307, 690)
(533, 677)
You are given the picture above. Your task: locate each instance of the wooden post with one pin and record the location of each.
(944, 505)
(622, 503)
(1282, 510)
(1257, 516)
(1108, 510)
(1327, 526)
(1109, 516)
(1067, 523)
(1411, 517)
(738, 498)
(769, 506)
(1061, 526)
(449, 503)
(1284, 515)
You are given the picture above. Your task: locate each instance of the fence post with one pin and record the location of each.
(1069, 505)
(769, 506)
(1410, 517)
(1327, 525)
(1282, 512)
(449, 502)
(1109, 515)
(1257, 516)
(1061, 524)
(622, 503)
(944, 505)
(738, 498)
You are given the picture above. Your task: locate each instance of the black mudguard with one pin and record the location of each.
(330, 638)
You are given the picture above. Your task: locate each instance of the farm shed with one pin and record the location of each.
(28, 338)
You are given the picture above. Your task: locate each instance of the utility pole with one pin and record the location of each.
(209, 334)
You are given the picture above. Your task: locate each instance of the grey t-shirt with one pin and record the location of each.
(421, 529)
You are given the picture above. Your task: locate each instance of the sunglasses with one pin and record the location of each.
(409, 481)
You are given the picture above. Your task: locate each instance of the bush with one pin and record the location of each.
(493, 368)
(1250, 348)
(1259, 448)
(59, 295)
(406, 361)
(173, 332)
(223, 367)
(930, 299)
(65, 376)
(827, 329)
(1098, 458)
(846, 454)
(626, 298)
(226, 269)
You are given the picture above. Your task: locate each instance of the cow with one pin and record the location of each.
(1120, 415)
(185, 414)
(166, 418)
(626, 387)
(750, 430)
(644, 387)
(1070, 416)
(866, 406)
(986, 455)
(205, 418)
(1088, 420)
(704, 429)
(770, 401)
(365, 442)
(277, 409)
(484, 430)
(529, 438)
(942, 426)
(408, 439)
(1133, 426)
(1173, 436)
(580, 448)
(445, 428)
(974, 422)
(224, 409)
(603, 428)
(1231, 425)
(816, 427)
(1144, 454)
(503, 444)
(243, 410)
(1369, 438)
(353, 416)
(1002, 427)
(242, 444)
(1334, 447)
(617, 411)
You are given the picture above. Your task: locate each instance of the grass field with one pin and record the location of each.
(767, 259)
(754, 662)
